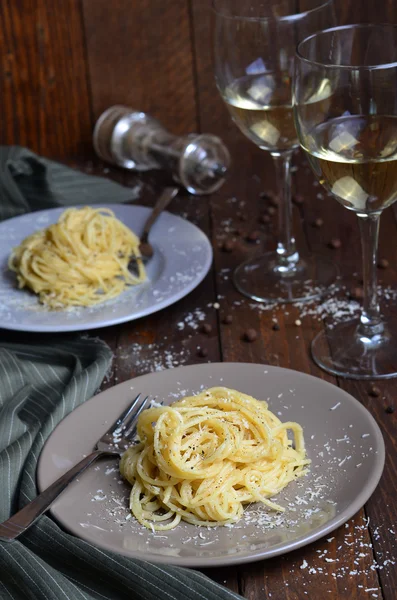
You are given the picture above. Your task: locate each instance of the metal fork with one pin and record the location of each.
(113, 443)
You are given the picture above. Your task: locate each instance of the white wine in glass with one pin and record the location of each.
(351, 144)
(262, 110)
(254, 49)
(354, 157)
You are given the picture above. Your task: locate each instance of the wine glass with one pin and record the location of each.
(254, 51)
(350, 139)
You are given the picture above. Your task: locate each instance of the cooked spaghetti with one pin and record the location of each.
(204, 457)
(79, 261)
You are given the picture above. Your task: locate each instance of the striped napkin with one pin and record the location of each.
(29, 182)
(40, 383)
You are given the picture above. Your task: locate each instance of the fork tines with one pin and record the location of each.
(128, 426)
(130, 415)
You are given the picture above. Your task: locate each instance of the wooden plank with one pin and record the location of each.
(163, 85)
(280, 578)
(370, 11)
(150, 67)
(342, 224)
(224, 576)
(44, 86)
(381, 507)
(288, 347)
(325, 569)
(174, 336)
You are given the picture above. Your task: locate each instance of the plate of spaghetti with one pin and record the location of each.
(232, 463)
(79, 268)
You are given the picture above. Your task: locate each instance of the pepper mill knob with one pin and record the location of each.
(134, 140)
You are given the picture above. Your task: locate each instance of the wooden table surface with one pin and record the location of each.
(64, 62)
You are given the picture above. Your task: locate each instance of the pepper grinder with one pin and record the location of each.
(134, 140)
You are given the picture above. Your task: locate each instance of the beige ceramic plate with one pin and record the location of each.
(343, 442)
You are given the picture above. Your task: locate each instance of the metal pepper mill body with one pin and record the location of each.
(134, 140)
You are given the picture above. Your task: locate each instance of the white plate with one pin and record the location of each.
(183, 256)
(342, 438)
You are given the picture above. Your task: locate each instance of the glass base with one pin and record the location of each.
(262, 279)
(341, 350)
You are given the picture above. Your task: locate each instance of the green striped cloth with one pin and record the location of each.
(29, 182)
(40, 383)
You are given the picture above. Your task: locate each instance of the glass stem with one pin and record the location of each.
(286, 247)
(371, 322)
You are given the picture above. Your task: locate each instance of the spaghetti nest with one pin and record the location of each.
(206, 456)
(79, 261)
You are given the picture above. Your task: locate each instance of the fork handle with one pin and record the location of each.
(167, 195)
(24, 518)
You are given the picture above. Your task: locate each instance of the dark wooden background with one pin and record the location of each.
(63, 63)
